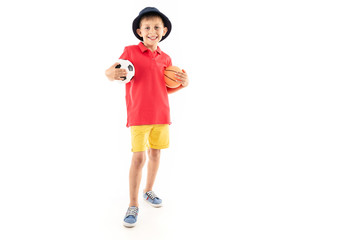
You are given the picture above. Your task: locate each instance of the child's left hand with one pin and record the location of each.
(183, 78)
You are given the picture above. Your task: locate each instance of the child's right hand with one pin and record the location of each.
(113, 73)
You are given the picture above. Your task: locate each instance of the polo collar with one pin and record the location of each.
(144, 49)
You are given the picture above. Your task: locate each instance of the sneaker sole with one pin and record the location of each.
(129, 225)
(154, 205)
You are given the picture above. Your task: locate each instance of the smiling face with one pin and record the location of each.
(151, 30)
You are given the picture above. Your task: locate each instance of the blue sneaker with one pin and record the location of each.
(131, 217)
(151, 198)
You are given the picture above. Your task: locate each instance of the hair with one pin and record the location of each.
(151, 15)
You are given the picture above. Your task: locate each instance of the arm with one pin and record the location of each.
(183, 79)
(113, 73)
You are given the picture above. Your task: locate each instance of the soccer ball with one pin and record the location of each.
(126, 64)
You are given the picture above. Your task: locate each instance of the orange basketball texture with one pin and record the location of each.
(169, 76)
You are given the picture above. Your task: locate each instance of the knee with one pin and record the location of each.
(154, 154)
(139, 159)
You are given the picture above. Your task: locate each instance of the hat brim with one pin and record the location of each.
(136, 24)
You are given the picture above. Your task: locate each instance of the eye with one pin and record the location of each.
(147, 28)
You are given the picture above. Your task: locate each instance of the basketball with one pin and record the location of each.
(169, 76)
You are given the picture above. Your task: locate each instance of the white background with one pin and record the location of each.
(264, 141)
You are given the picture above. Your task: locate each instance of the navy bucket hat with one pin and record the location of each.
(136, 22)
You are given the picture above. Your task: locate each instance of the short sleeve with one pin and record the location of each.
(169, 62)
(125, 54)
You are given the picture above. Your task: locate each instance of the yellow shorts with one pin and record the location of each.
(153, 136)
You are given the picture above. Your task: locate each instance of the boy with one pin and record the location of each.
(148, 113)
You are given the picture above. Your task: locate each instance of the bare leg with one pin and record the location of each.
(152, 168)
(137, 164)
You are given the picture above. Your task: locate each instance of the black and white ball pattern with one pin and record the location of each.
(126, 64)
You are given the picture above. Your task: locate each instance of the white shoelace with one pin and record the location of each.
(151, 195)
(132, 211)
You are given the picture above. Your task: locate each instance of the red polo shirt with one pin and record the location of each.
(146, 94)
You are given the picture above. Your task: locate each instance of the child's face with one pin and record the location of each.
(151, 30)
